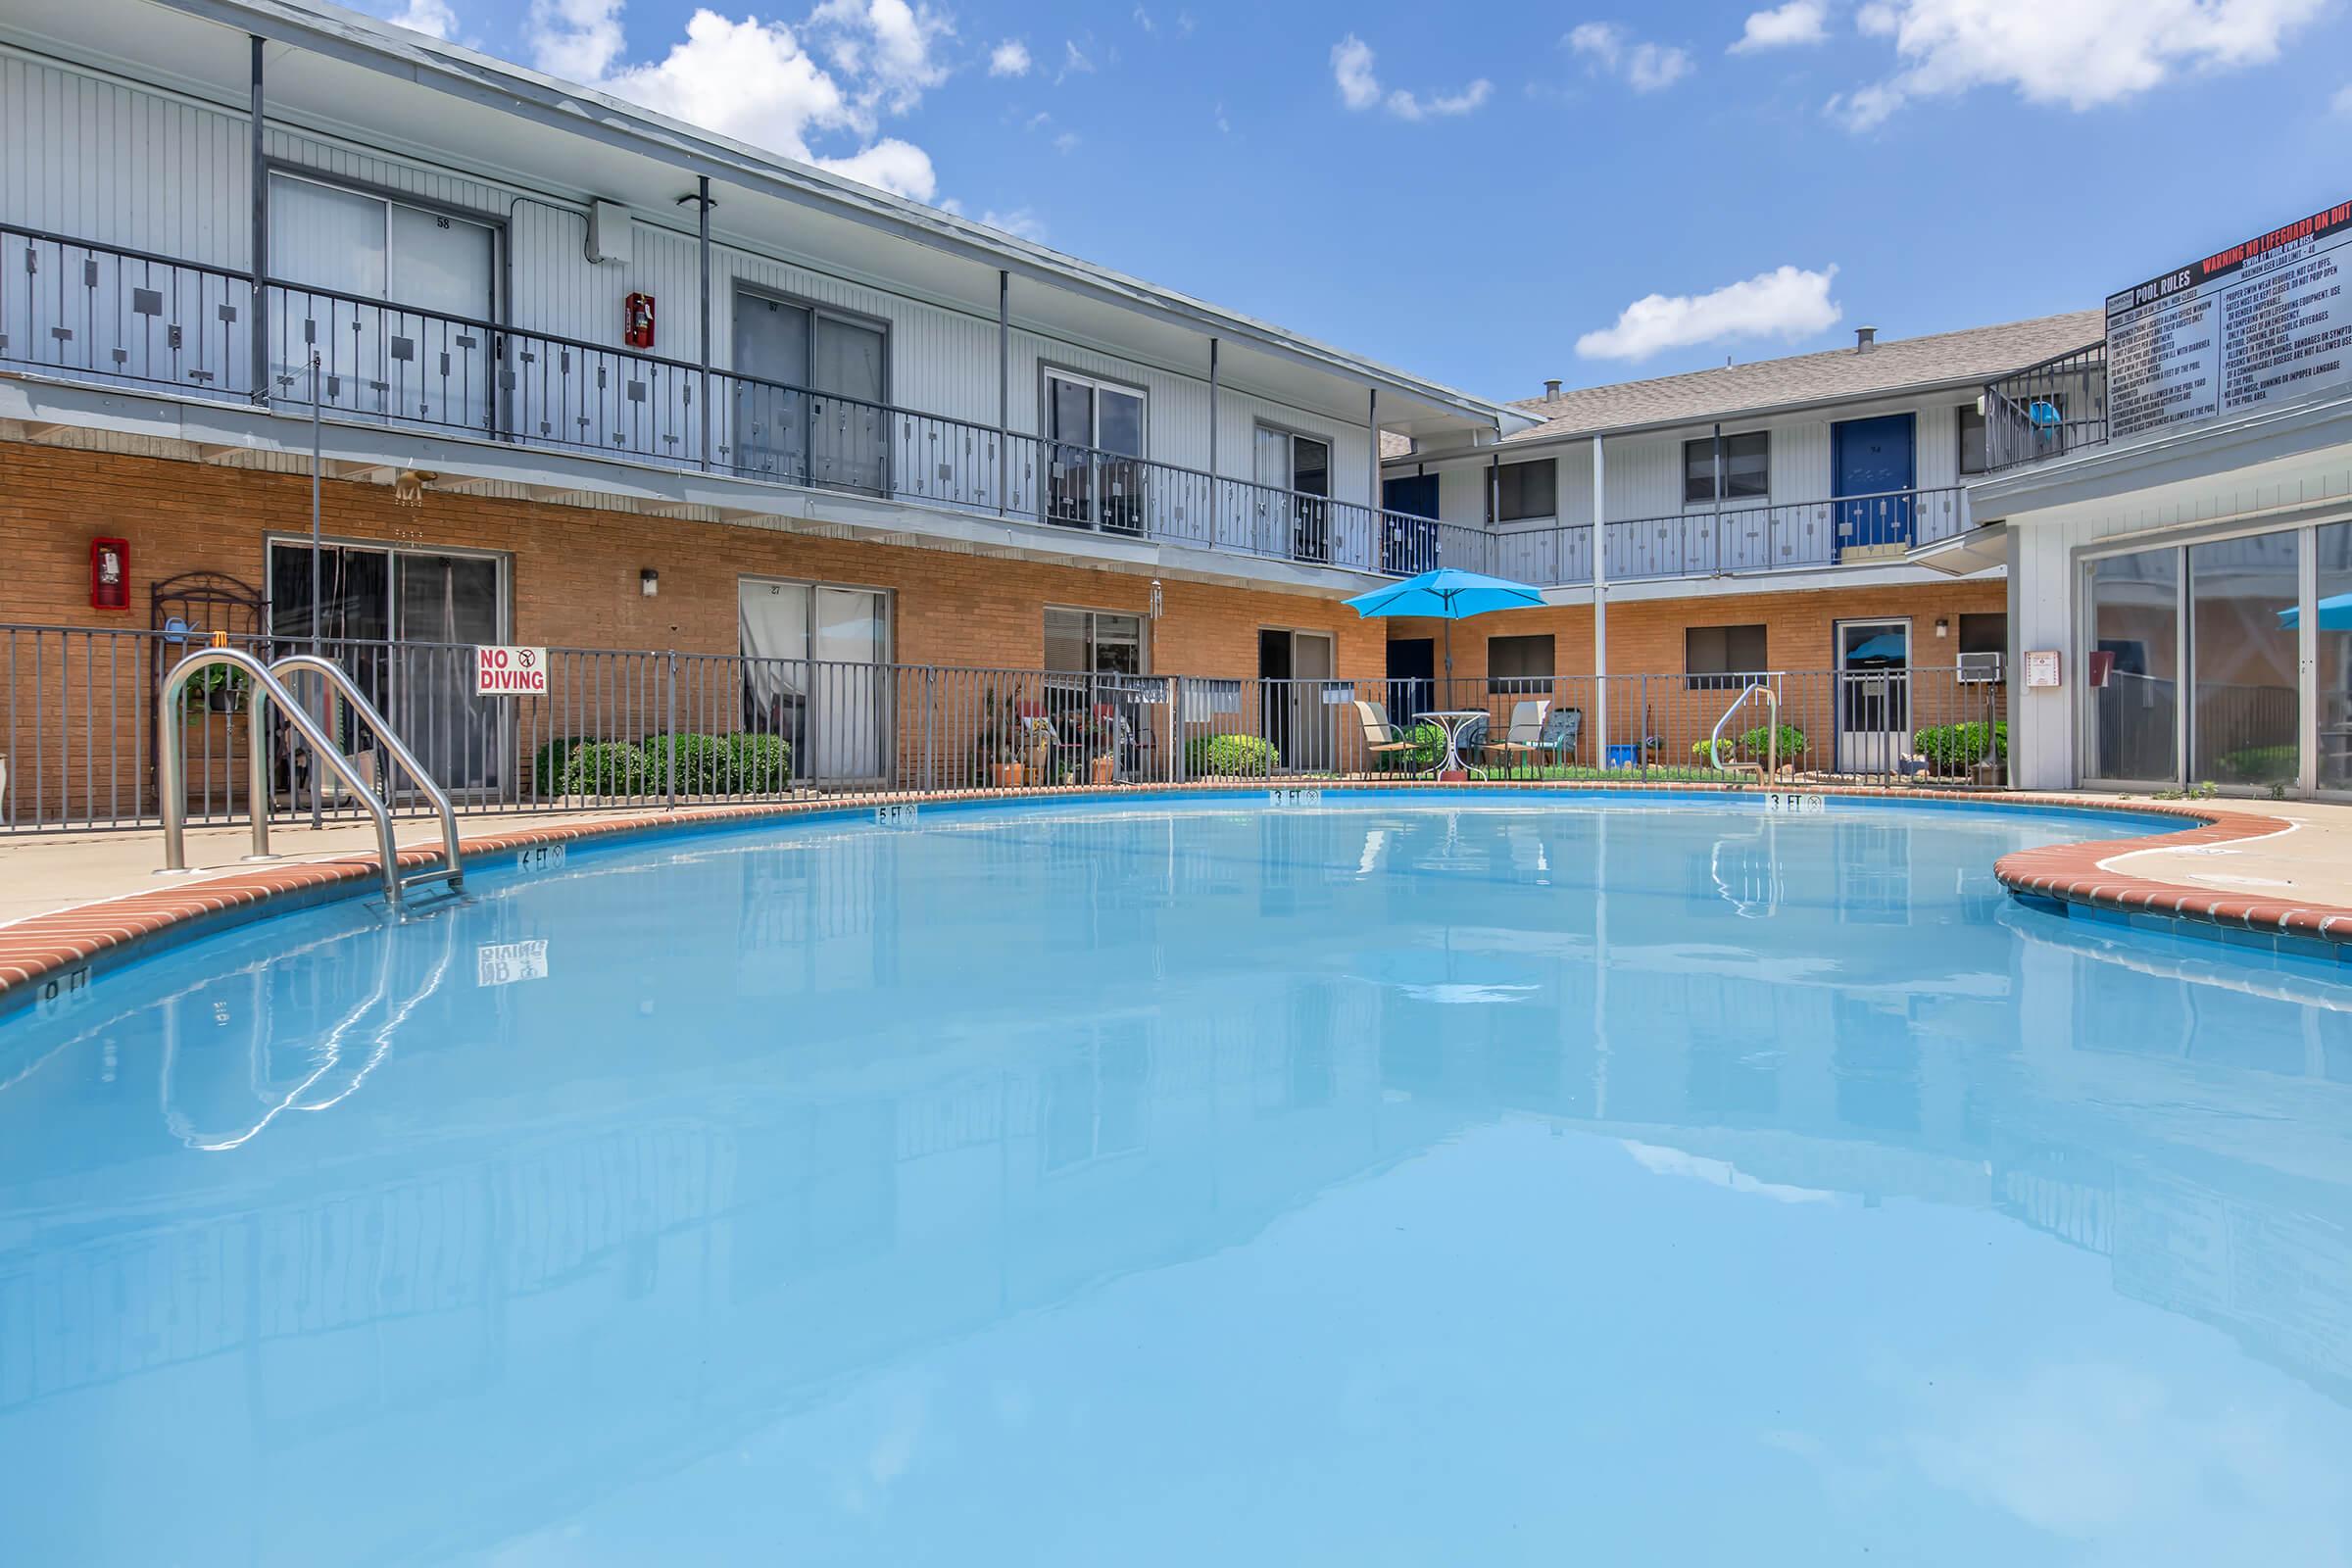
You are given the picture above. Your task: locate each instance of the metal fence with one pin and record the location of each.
(2046, 410)
(80, 727)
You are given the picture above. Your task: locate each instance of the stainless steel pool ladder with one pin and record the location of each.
(1772, 732)
(172, 762)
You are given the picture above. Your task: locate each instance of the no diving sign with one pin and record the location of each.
(509, 671)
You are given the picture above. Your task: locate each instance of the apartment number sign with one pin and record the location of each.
(2260, 322)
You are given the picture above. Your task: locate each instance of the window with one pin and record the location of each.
(1094, 642)
(812, 672)
(1986, 633)
(1519, 665)
(355, 243)
(1526, 490)
(1284, 459)
(1971, 438)
(2134, 670)
(1722, 658)
(1746, 468)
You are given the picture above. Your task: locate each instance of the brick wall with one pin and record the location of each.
(574, 571)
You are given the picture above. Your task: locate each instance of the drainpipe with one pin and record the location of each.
(1601, 609)
(1216, 489)
(1003, 383)
(260, 258)
(701, 245)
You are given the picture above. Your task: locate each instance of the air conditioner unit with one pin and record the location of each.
(1980, 669)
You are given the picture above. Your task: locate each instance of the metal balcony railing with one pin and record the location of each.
(2046, 410)
(83, 310)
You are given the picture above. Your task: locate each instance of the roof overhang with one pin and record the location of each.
(344, 74)
(1978, 549)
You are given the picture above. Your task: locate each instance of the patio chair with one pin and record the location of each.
(1524, 736)
(1563, 729)
(1382, 744)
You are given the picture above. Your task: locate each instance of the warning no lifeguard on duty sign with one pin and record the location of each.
(509, 671)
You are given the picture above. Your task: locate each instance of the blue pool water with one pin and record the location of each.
(1503, 1182)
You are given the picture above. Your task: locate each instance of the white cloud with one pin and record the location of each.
(759, 82)
(1075, 62)
(1066, 142)
(1609, 49)
(1787, 303)
(1020, 221)
(1225, 126)
(2342, 103)
(432, 16)
(2081, 53)
(1142, 20)
(1352, 70)
(1008, 59)
(1797, 22)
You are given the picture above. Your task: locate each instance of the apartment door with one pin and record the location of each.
(1875, 467)
(1408, 534)
(806, 402)
(1299, 465)
(397, 300)
(405, 624)
(1412, 677)
(1872, 706)
(1094, 441)
(1295, 670)
(816, 659)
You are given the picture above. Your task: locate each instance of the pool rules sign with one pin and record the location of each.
(509, 671)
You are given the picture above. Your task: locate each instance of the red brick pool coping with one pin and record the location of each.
(38, 950)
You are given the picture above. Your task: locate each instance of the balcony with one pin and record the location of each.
(84, 311)
(1846, 530)
(2046, 410)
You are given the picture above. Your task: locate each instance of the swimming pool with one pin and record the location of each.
(1367, 1181)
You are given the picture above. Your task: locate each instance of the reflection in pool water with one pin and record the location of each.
(1365, 1185)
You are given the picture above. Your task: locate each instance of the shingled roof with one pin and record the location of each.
(1894, 365)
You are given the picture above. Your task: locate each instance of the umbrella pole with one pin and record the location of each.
(1450, 661)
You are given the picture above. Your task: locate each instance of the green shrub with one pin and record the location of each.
(1230, 757)
(762, 763)
(717, 764)
(605, 767)
(1957, 748)
(550, 761)
(1753, 745)
(1429, 745)
(2259, 764)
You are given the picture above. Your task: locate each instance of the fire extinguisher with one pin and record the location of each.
(637, 329)
(109, 574)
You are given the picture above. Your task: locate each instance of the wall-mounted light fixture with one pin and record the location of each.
(1943, 627)
(649, 583)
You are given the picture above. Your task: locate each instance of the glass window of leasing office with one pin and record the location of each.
(2333, 668)
(2243, 597)
(2134, 667)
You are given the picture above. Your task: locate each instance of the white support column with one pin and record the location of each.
(2307, 659)
(1600, 611)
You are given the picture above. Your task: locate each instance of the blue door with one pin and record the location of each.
(1875, 471)
(1408, 537)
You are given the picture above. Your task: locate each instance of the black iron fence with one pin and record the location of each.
(2046, 410)
(80, 727)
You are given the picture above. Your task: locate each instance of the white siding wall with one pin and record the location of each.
(95, 159)
(1645, 471)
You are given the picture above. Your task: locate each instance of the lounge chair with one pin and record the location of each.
(1382, 744)
(1524, 739)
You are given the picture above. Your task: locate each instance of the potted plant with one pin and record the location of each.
(213, 689)
(1008, 771)
(1102, 749)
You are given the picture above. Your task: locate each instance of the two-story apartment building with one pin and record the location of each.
(1757, 518)
(586, 376)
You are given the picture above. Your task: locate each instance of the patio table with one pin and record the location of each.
(1456, 723)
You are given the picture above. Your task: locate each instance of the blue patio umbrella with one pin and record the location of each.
(2335, 613)
(1448, 596)
(1886, 644)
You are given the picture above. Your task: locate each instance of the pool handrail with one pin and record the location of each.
(336, 677)
(1772, 733)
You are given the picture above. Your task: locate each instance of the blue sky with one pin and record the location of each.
(1487, 203)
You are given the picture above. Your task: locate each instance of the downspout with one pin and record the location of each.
(260, 257)
(702, 247)
(1004, 386)
(1216, 484)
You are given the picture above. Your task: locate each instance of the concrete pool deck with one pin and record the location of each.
(2269, 867)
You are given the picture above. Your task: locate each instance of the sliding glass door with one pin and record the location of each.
(1094, 439)
(815, 673)
(806, 402)
(2197, 664)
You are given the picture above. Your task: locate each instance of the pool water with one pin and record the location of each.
(1376, 1183)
